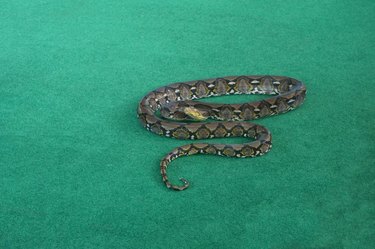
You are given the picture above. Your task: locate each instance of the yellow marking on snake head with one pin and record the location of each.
(194, 113)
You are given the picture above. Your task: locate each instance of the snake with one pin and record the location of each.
(173, 111)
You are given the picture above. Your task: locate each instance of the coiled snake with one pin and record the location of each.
(175, 102)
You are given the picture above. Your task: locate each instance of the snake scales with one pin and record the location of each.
(177, 102)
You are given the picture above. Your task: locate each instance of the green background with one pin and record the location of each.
(79, 171)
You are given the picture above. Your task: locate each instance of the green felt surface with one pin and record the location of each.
(79, 171)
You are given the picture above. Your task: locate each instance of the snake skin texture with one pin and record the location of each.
(182, 117)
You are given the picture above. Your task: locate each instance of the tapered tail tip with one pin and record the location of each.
(179, 188)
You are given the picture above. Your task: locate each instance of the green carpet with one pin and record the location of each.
(79, 171)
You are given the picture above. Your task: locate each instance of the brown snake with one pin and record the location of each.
(175, 102)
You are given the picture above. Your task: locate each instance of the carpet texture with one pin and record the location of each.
(79, 171)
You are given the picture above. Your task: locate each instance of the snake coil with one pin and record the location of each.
(177, 102)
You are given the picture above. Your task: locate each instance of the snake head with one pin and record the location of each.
(195, 113)
(183, 111)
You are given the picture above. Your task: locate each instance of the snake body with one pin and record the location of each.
(185, 118)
